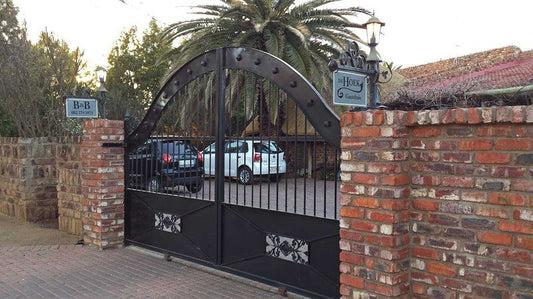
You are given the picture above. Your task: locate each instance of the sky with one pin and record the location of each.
(416, 31)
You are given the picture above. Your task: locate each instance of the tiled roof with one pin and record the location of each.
(498, 68)
(510, 74)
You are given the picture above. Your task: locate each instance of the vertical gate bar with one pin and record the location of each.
(305, 165)
(158, 162)
(138, 176)
(325, 181)
(134, 169)
(314, 174)
(128, 180)
(237, 85)
(209, 130)
(196, 128)
(147, 153)
(175, 125)
(164, 135)
(182, 98)
(187, 99)
(189, 114)
(167, 137)
(163, 166)
(230, 111)
(253, 132)
(269, 141)
(295, 146)
(171, 130)
(219, 153)
(245, 120)
(212, 111)
(287, 147)
(195, 121)
(261, 98)
(204, 131)
(183, 130)
(278, 132)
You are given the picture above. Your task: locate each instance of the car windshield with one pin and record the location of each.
(267, 148)
(175, 147)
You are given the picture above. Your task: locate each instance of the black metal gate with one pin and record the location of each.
(235, 165)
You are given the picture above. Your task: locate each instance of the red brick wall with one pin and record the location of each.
(437, 203)
(102, 182)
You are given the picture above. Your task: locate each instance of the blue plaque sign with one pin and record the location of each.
(349, 89)
(82, 107)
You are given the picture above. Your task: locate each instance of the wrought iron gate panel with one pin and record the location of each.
(278, 247)
(235, 165)
(194, 219)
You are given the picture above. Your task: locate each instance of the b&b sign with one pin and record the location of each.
(82, 107)
(349, 89)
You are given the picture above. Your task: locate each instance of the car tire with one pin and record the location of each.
(275, 177)
(194, 188)
(245, 175)
(153, 185)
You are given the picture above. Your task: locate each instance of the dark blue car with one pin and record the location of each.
(159, 165)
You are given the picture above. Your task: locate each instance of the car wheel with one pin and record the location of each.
(153, 185)
(194, 188)
(245, 175)
(275, 177)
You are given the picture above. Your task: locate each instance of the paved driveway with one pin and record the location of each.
(75, 271)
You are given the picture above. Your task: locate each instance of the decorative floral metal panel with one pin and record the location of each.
(167, 222)
(288, 249)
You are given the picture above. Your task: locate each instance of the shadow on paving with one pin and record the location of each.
(14, 232)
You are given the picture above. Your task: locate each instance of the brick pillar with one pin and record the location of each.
(374, 215)
(102, 183)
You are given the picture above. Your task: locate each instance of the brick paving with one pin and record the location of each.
(75, 271)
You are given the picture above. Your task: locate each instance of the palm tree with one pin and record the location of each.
(306, 36)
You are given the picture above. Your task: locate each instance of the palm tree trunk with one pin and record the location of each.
(264, 111)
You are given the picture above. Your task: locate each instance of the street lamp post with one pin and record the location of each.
(373, 31)
(101, 74)
(353, 60)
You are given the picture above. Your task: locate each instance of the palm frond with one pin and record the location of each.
(305, 35)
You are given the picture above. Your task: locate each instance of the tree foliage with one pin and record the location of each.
(135, 71)
(33, 79)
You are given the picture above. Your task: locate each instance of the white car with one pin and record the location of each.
(245, 159)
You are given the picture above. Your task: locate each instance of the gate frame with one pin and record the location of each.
(299, 89)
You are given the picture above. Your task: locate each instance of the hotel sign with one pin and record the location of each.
(349, 89)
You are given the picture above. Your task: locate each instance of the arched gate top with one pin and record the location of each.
(307, 98)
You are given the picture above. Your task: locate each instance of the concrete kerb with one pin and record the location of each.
(229, 276)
